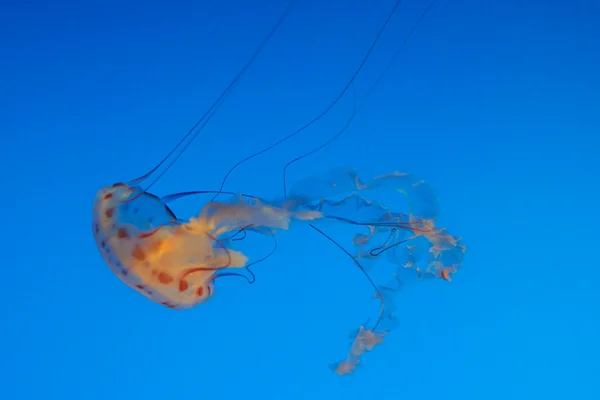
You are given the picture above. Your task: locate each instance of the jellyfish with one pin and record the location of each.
(175, 261)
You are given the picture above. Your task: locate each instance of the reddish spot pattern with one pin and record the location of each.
(109, 212)
(122, 233)
(108, 196)
(183, 285)
(165, 278)
(200, 291)
(139, 254)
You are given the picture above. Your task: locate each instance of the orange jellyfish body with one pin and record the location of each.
(170, 261)
(133, 243)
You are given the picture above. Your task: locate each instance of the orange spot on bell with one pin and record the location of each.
(200, 291)
(122, 233)
(108, 196)
(109, 212)
(164, 278)
(183, 285)
(139, 254)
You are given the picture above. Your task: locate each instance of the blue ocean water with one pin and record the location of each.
(492, 103)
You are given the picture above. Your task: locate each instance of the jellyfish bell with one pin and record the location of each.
(129, 227)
